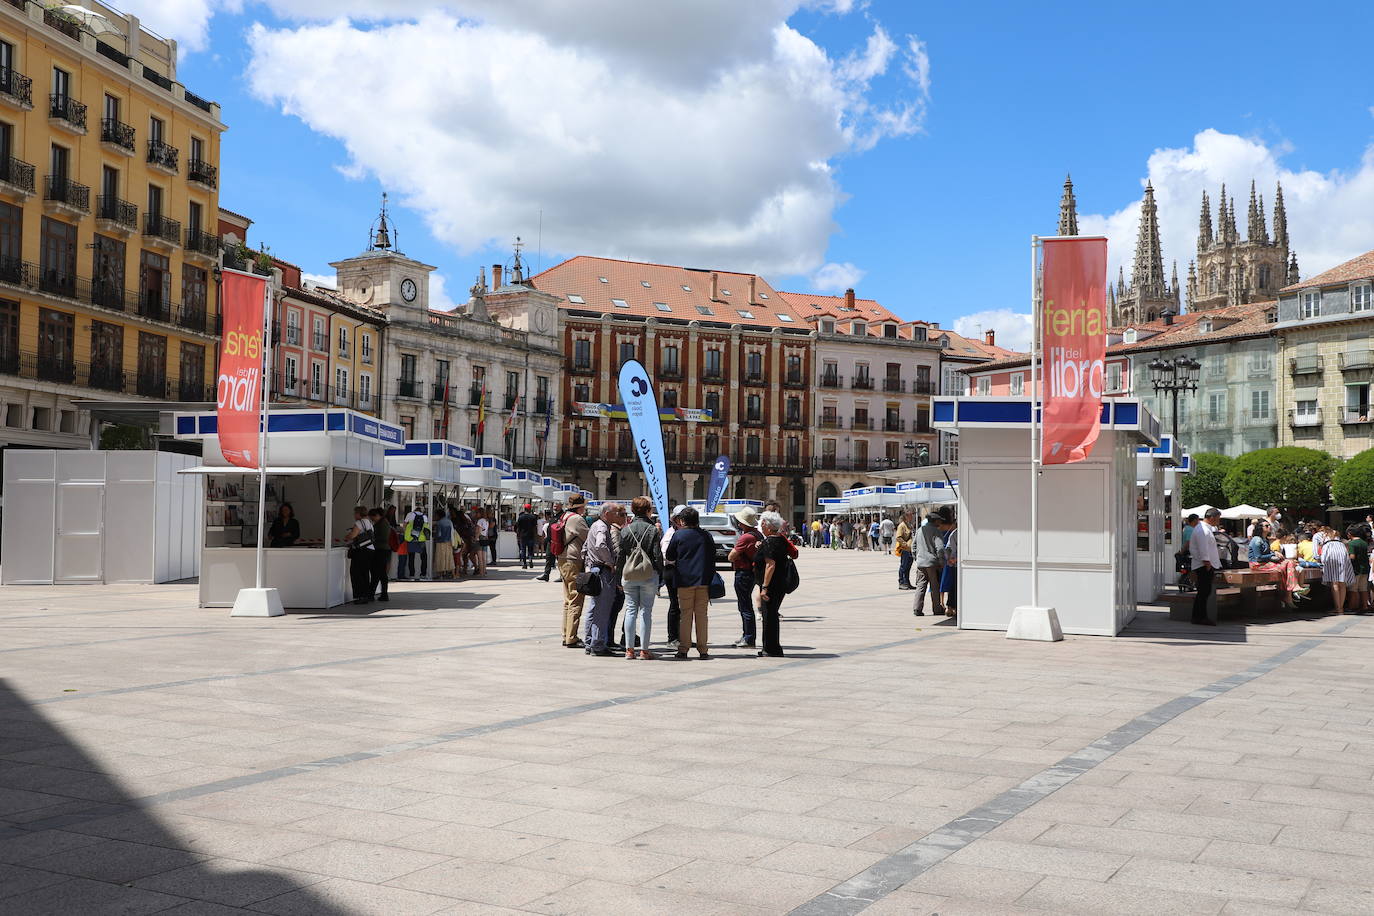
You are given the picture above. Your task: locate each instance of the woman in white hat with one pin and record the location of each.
(742, 562)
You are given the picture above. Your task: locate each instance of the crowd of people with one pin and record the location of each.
(1275, 544)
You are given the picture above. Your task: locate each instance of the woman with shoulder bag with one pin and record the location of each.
(359, 541)
(772, 569)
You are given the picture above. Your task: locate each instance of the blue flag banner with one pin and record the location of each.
(641, 409)
(720, 475)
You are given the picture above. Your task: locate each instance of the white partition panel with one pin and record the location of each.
(30, 523)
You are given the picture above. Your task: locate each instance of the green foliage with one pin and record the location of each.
(1289, 477)
(123, 438)
(1204, 485)
(1353, 482)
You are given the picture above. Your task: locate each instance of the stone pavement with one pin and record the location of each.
(445, 755)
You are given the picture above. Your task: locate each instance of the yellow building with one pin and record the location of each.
(109, 174)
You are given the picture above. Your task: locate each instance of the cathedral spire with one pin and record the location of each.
(1252, 216)
(1293, 269)
(1222, 235)
(1263, 234)
(1174, 285)
(1232, 232)
(1068, 209)
(1147, 276)
(1280, 220)
(1204, 225)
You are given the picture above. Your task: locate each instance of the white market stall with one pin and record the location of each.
(1088, 518)
(518, 487)
(99, 517)
(323, 462)
(1153, 558)
(426, 469)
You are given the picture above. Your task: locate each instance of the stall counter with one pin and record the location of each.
(296, 572)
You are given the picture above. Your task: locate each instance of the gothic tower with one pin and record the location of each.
(1068, 210)
(1149, 294)
(1231, 270)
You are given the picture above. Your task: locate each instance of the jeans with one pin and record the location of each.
(414, 549)
(639, 611)
(904, 568)
(526, 552)
(603, 605)
(744, 595)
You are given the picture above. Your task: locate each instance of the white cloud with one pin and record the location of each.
(695, 133)
(834, 277)
(1330, 214)
(438, 293)
(1013, 328)
(186, 21)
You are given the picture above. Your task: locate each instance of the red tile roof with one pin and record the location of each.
(1360, 268)
(683, 291)
(809, 305)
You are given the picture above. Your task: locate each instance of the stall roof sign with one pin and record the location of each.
(329, 422)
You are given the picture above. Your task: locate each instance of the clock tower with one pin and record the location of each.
(382, 276)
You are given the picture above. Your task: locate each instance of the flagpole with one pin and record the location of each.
(1037, 402)
(262, 431)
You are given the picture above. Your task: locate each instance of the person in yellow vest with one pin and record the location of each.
(815, 532)
(416, 534)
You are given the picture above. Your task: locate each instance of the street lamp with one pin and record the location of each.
(1172, 376)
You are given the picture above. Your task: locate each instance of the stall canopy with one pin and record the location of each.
(834, 505)
(485, 472)
(1242, 511)
(427, 461)
(1199, 511)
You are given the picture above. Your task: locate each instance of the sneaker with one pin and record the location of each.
(919, 613)
(542, 578)
(672, 644)
(742, 644)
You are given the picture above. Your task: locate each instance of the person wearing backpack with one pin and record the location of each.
(775, 570)
(416, 534)
(566, 538)
(641, 565)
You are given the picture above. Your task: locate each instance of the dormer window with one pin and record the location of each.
(1311, 304)
(827, 326)
(576, 299)
(725, 292)
(918, 333)
(1271, 316)
(686, 288)
(646, 284)
(890, 330)
(1205, 326)
(858, 328)
(763, 295)
(603, 280)
(1128, 336)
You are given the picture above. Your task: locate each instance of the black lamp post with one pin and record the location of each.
(1172, 376)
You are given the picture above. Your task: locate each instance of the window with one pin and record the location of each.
(59, 164)
(154, 201)
(827, 453)
(318, 339)
(1216, 366)
(645, 284)
(1307, 413)
(9, 335)
(763, 295)
(582, 392)
(1361, 298)
(793, 410)
(861, 376)
(340, 383)
(1018, 384)
(662, 306)
(713, 363)
(197, 148)
(512, 389)
(580, 437)
(793, 452)
(1259, 404)
(317, 380)
(541, 392)
(704, 310)
(794, 368)
(603, 280)
(827, 326)
(57, 256)
(620, 303)
(1311, 304)
(155, 285)
(670, 359)
(918, 333)
(582, 353)
(725, 292)
(751, 449)
(712, 443)
(156, 129)
(984, 385)
(61, 83)
(861, 452)
(111, 108)
(408, 427)
(923, 380)
(193, 296)
(754, 407)
(830, 416)
(290, 374)
(669, 397)
(858, 328)
(1260, 362)
(192, 371)
(1356, 403)
(576, 300)
(367, 348)
(754, 365)
(745, 313)
(1113, 377)
(6, 56)
(152, 365)
(686, 288)
(627, 351)
(713, 404)
(782, 316)
(1216, 407)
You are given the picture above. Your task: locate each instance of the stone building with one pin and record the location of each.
(1149, 295)
(1324, 326)
(1231, 270)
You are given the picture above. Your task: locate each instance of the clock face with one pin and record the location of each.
(408, 290)
(541, 321)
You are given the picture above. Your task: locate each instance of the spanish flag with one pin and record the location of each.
(482, 409)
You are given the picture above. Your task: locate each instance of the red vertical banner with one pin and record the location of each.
(239, 386)
(1073, 323)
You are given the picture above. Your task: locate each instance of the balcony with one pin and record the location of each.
(162, 156)
(755, 379)
(67, 113)
(752, 419)
(115, 216)
(891, 425)
(543, 405)
(162, 231)
(345, 350)
(201, 245)
(439, 391)
(319, 341)
(830, 423)
(293, 335)
(856, 465)
(923, 386)
(1356, 359)
(57, 282)
(712, 375)
(117, 136)
(16, 179)
(861, 383)
(831, 380)
(408, 388)
(108, 295)
(151, 385)
(62, 194)
(671, 373)
(152, 305)
(475, 395)
(510, 401)
(1356, 416)
(189, 389)
(105, 378)
(922, 426)
(792, 422)
(193, 318)
(861, 423)
(1305, 365)
(366, 356)
(1250, 417)
(794, 380)
(582, 368)
(56, 19)
(16, 89)
(1308, 418)
(200, 172)
(894, 384)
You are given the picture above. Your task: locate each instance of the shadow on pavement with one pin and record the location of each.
(72, 840)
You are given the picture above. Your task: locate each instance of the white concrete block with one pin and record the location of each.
(1038, 623)
(263, 602)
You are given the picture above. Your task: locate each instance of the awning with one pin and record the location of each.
(281, 472)
(405, 484)
(928, 474)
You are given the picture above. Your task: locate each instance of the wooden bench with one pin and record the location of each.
(1249, 590)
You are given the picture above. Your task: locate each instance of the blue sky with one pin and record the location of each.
(647, 139)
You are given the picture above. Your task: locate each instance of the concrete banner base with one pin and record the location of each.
(258, 602)
(1038, 623)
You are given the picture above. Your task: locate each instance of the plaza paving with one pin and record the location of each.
(445, 755)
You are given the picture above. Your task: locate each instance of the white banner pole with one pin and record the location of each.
(262, 432)
(1037, 405)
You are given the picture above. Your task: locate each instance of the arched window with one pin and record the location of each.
(827, 490)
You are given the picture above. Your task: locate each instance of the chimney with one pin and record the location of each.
(990, 337)
(496, 276)
(753, 289)
(715, 286)
(849, 298)
(1168, 317)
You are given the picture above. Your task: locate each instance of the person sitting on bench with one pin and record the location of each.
(1263, 559)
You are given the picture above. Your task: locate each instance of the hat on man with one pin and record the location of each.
(577, 499)
(677, 511)
(748, 517)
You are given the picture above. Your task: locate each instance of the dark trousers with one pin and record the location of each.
(415, 549)
(615, 610)
(928, 578)
(1202, 577)
(674, 610)
(491, 545)
(904, 568)
(771, 638)
(381, 563)
(744, 596)
(549, 561)
(526, 553)
(360, 573)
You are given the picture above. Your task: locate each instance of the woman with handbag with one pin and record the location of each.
(692, 551)
(359, 541)
(773, 569)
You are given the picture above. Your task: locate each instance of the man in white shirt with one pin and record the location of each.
(1206, 560)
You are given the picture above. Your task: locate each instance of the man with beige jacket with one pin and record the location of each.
(570, 566)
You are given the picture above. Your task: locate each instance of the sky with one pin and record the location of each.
(908, 150)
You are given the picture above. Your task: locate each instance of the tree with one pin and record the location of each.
(123, 437)
(1288, 477)
(1353, 482)
(1204, 485)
